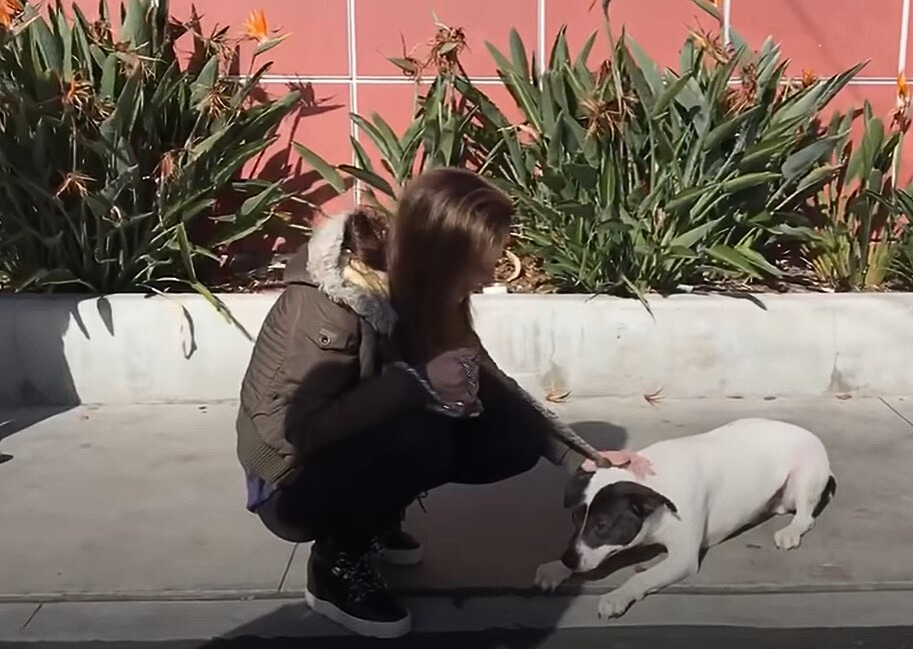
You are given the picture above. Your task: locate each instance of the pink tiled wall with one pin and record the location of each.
(340, 48)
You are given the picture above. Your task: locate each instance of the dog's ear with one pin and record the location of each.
(575, 488)
(644, 501)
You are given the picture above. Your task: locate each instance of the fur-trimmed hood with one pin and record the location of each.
(321, 263)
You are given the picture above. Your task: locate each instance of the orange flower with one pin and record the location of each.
(903, 91)
(10, 11)
(256, 27)
(809, 78)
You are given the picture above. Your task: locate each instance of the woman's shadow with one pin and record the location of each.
(515, 615)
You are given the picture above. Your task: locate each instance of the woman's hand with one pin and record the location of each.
(455, 376)
(636, 464)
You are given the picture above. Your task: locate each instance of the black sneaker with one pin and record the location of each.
(346, 589)
(399, 548)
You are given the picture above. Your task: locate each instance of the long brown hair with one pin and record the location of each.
(448, 221)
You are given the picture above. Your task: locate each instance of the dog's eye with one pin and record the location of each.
(602, 528)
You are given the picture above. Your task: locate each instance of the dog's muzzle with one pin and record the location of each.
(571, 558)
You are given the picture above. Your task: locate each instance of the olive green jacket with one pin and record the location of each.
(316, 374)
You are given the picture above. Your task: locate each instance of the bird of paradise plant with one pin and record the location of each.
(116, 153)
(256, 28)
(858, 211)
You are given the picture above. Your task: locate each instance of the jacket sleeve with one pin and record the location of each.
(331, 400)
(565, 447)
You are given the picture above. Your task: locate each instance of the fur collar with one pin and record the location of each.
(325, 266)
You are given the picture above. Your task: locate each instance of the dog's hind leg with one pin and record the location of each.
(804, 493)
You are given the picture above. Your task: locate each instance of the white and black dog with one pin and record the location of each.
(704, 489)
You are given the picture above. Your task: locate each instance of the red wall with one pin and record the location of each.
(339, 46)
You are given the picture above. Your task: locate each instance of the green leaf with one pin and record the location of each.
(687, 197)
(409, 66)
(361, 156)
(384, 128)
(321, 166)
(766, 151)
(584, 175)
(816, 177)
(387, 145)
(646, 65)
(501, 61)
(135, 27)
(861, 163)
(584, 55)
(206, 80)
(799, 163)
(696, 234)
(372, 179)
(708, 7)
(518, 53)
(47, 44)
(668, 95)
(268, 44)
(728, 129)
(186, 250)
(748, 181)
(128, 104)
(109, 75)
(734, 258)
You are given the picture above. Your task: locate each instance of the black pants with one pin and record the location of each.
(350, 492)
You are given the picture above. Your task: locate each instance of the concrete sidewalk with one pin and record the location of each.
(128, 503)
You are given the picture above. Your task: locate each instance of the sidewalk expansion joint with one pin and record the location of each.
(32, 616)
(288, 566)
(896, 411)
(455, 593)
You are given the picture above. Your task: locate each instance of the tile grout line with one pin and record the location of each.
(904, 37)
(540, 34)
(727, 22)
(895, 411)
(401, 80)
(353, 86)
(31, 617)
(288, 567)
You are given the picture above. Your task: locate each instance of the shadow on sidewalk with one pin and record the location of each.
(14, 420)
(616, 637)
(37, 383)
(476, 538)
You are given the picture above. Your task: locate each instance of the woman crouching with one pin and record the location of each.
(366, 390)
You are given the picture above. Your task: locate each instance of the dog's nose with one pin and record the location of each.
(570, 558)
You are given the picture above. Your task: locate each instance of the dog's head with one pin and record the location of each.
(610, 514)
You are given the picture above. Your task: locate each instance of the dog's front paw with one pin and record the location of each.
(551, 575)
(614, 604)
(789, 538)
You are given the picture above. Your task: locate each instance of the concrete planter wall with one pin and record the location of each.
(133, 349)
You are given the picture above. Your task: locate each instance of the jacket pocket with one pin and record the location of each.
(333, 339)
(331, 328)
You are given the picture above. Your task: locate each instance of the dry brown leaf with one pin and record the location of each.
(557, 397)
(654, 398)
(517, 266)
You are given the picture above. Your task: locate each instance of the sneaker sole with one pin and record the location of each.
(367, 628)
(403, 558)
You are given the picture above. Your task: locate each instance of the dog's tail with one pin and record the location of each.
(830, 490)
